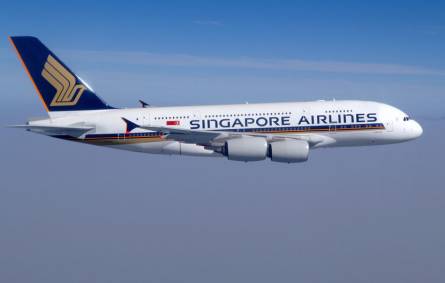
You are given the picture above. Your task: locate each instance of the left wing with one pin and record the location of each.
(218, 138)
(192, 136)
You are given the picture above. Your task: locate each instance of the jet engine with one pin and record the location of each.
(288, 151)
(246, 149)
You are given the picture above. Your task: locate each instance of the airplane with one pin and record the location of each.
(282, 132)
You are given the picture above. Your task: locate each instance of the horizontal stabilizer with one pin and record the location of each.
(74, 131)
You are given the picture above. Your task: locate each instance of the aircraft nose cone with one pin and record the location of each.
(416, 130)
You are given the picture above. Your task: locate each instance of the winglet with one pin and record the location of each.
(130, 125)
(144, 104)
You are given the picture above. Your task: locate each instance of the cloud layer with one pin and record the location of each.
(185, 60)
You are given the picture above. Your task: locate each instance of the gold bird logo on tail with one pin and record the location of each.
(67, 91)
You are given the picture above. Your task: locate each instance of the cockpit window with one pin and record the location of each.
(406, 118)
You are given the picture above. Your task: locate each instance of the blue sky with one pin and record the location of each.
(236, 52)
(76, 213)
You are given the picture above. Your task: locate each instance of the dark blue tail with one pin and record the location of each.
(59, 88)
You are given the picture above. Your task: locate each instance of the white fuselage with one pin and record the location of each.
(283, 132)
(320, 123)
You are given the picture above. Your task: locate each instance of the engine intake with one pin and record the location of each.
(246, 149)
(289, 151)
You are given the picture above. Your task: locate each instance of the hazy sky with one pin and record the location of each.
(76, 213)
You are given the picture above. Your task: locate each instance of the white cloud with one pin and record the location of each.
(196, 61)
(433, 30)
(184, 60)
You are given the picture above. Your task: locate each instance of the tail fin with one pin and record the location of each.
(58, 87)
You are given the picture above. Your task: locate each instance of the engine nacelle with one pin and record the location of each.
(289, 151)
(246, 149)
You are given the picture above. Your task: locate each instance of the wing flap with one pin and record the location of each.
(219, 137)
(185, 135)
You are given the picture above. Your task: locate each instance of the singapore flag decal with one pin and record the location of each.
(172, 123)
